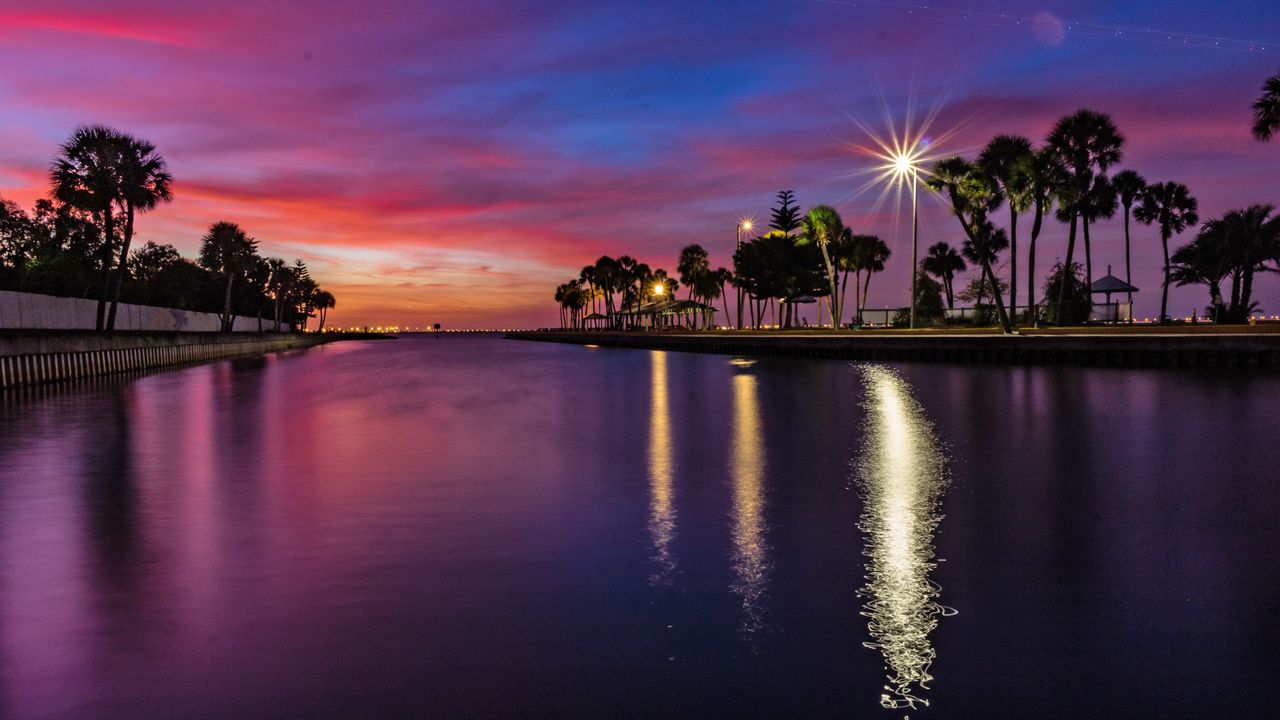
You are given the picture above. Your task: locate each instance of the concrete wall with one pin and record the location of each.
(29, 311)
(50, 357)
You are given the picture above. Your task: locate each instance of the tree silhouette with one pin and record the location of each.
(1266, 111)
(1129, 187)
(228, 251)
(1169, 205)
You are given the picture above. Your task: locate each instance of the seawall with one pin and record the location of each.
(32, 311)
(32, 358)
(1123, 349)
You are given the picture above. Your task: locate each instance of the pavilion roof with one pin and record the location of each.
(1111, 284)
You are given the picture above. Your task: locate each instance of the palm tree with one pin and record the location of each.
(870, 255)
(277, 286)
(943, 262)
(822, 226)
(1266, 118)
(1047, 176)
(972, 197)
(1098, 203)
(1087, 143)
(1251, 237)
(228, 251)
(86, 175)
(607, 276)
(722, 277)
(144, 184)
(1007, 160)
(588, 277)
(692, 266)
(323, 301)
(1204, 261)
(1170, 205)
(1129, 187)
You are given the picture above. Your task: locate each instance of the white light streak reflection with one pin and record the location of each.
(901, 475)
(750, 547)
(662, 514)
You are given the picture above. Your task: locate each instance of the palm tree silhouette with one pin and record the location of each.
(1170, 205)
(86, 176)
(228, 251)
(144, 183)
(1087, 143)
(1129, 187)
(1252, 238)
(869, 256)
(972, 196)
(1266, 117)
(323, 301)
(1098, 203)
(822, 226)
(943, 262)
(1007, 160)
(1047, 176)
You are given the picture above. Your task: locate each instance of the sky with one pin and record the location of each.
(453, 162)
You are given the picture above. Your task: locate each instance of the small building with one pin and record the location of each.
(1108, 311)
(687, 314)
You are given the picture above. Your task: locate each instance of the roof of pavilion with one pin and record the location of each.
(1111, 284)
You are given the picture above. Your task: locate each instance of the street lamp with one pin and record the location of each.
(906, 167)
(902, 165)
(742, 225)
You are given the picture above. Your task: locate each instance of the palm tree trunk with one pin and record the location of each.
(844, 291)
(831, 281)
(1128, 268)
(108, 237)
(1066, 268)
(1031, 265)
(1088, 259)
(120, 267)
(1164, 290)
(1013, 263)
(995, 293)
(1246, 293)
(226, 305)
(866, 288)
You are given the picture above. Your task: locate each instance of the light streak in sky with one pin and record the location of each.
(1052, 30)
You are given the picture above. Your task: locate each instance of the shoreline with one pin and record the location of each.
(38, 357)
(1155, 346)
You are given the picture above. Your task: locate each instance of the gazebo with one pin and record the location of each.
(594, 321)
(669, 313)
(1108, 284)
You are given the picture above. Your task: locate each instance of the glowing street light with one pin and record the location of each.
(902, 164)
(906, 166)
(744, 224)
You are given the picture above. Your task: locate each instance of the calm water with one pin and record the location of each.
(473, 527)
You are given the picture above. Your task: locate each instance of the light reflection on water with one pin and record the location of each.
(662, 513)
(902, 475)
(747, 464)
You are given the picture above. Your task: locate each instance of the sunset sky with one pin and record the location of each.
(453, 161)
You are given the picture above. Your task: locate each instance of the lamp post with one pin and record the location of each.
(743, 225)
(905, 167)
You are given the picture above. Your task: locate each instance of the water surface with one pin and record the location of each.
(472, 527)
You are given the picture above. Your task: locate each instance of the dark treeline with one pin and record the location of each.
(79, 243)
(1071, 178)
